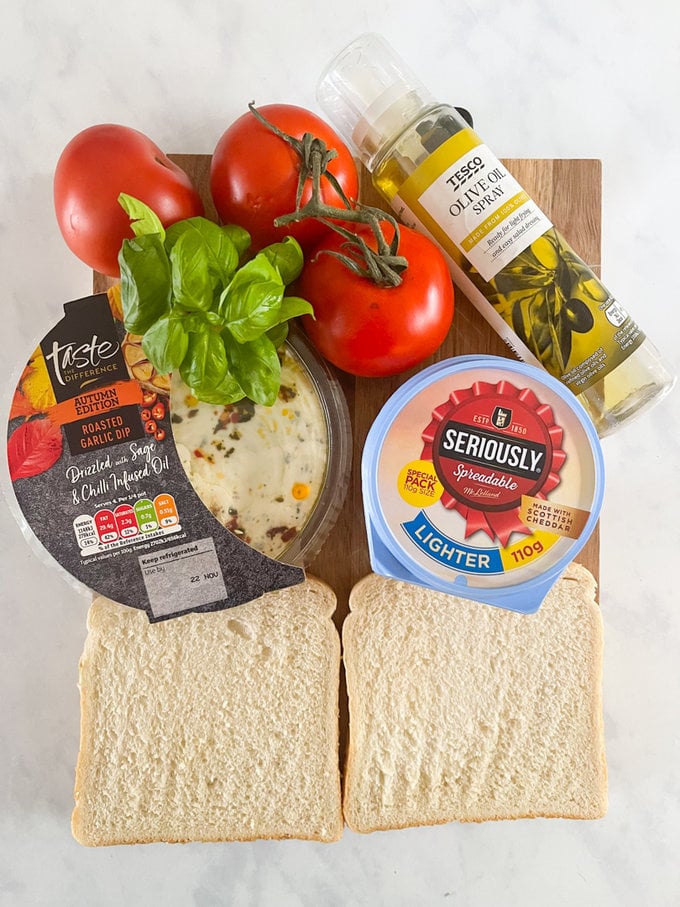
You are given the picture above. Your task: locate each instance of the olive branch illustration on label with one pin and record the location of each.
(547, 294)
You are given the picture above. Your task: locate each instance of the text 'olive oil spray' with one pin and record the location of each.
(504, 253)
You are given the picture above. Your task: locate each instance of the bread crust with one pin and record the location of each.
(105, 617)
(359, 601)
(363, 610)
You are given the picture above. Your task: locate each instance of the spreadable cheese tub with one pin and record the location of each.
(482, 477)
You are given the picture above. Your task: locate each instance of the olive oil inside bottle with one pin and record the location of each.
(610, 400)
(504, 253)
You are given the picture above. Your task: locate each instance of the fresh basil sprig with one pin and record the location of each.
(203, 313)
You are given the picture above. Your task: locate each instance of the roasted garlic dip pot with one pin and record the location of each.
(482, 477)
(99, 484)
(275, 476)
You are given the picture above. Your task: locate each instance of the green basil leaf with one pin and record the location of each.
(194, 285)
(278, 334)
(286, 257)
(145, 281)
(194, 323)
(292, 306)
(219, 250)
(227, 391)
(256, 367)
(239, 237)
(165, 344)
(251, 304)
(205, 363)
(143, 219)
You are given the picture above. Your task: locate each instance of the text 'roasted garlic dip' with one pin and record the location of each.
(259, 469)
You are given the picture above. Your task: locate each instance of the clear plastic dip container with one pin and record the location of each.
(276, 476)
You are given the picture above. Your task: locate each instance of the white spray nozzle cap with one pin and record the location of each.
(370, 95)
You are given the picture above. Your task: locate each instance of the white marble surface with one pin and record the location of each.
(588, 78)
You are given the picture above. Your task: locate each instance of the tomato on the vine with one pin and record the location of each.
(254, 174)
(94, 168)
(371, 330)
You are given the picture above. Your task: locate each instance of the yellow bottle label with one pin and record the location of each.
(464, 191)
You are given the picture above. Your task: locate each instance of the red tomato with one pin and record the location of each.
(254, 174)
(376, 331)
(95, 167)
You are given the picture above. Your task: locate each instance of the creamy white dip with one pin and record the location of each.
(259, 469)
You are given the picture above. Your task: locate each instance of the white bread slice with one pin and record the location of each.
(211, 727)
(460, 711)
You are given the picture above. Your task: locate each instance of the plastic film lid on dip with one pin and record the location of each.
(482, 477)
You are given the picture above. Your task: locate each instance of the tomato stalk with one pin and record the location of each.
(383, 265)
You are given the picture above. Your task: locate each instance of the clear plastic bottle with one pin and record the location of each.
(504, 253)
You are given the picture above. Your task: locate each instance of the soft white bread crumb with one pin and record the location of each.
(462, 711)
(211, 727)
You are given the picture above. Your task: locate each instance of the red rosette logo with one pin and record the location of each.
(491, 444)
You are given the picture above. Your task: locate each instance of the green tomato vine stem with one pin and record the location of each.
(384, 265)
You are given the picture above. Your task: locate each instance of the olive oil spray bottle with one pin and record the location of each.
(504, 253)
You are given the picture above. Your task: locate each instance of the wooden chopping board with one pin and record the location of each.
(569, 191)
